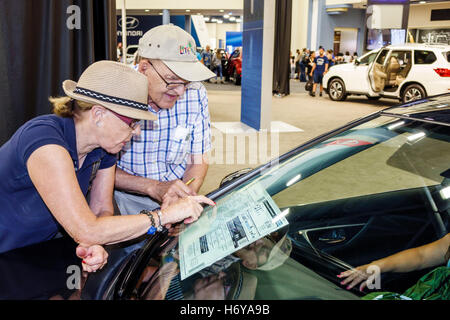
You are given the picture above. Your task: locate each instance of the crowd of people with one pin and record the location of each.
(215, 60)
(310, 66)
(304, 59)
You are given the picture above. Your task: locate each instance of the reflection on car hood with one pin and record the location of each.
(342, 67)
(435, 109)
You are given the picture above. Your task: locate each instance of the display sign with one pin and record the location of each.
(237, 220)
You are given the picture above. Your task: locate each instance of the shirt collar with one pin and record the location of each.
(71, 138)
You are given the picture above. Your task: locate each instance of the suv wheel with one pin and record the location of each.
(336, 90)
(413, 92)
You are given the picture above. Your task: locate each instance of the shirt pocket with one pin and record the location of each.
(179, 141)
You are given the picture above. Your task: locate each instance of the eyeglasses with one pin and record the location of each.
(132, 123)
(171, 85)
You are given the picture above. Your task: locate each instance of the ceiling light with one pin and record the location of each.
(147, 10)
(219, 21)
(445, 193)
(226, 16)
(213, 20)
(187, 10)
(206, 18)
(422, 2)
(293, 180)
(221, 10)
(396, 125)
(232, 19)
(281, 215)
(416, 136)
(238, 20)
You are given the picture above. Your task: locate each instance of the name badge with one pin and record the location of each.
(181, 133)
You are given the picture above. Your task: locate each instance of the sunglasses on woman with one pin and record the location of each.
(132, 123)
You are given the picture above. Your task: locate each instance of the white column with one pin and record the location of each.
(314, 24)
(124, 32)
(166, 16)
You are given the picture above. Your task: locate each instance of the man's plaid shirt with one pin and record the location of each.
(162, 150)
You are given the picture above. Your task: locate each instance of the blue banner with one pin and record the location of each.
(252, 51)
(138, 25)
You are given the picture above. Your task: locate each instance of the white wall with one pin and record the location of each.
(185, 4)
(349, 40)
(299, 30)
(218, 31)
(419, 16)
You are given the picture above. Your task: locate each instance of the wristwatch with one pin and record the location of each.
(152, 228)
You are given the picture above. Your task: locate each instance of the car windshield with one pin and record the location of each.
(368, 58)
(370, 191)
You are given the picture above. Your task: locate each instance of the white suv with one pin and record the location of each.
(407, 72)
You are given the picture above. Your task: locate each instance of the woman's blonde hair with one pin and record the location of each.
(66, 106)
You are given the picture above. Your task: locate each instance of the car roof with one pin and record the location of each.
(442, 47)
(433, 109)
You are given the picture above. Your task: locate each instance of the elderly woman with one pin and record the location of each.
(52, 162)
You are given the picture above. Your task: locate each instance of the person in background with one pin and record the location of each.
(347, 58)
(302, 64)
(298, 56)
(119, 52)
(207, 57)
(331, 58)
(319, 69)
(293, 68)
(309, 64)
(217, 65)
(430, 255)
(355, 56)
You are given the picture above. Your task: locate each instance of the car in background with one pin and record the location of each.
(131, 54)
(406, 72)
(373, 187)
(233, 70)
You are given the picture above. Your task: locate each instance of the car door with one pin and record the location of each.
(377, 73)
(359, 80)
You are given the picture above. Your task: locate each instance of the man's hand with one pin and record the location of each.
(94, 257)
(169, 192)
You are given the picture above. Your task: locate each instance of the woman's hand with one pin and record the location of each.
(187, 209)
(94, 257)
(355, 276)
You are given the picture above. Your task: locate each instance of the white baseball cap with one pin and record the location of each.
(176, 48)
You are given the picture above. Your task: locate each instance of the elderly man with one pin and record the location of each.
(154, 170)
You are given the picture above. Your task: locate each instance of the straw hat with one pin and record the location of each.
(114, 86)
(176, 48)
